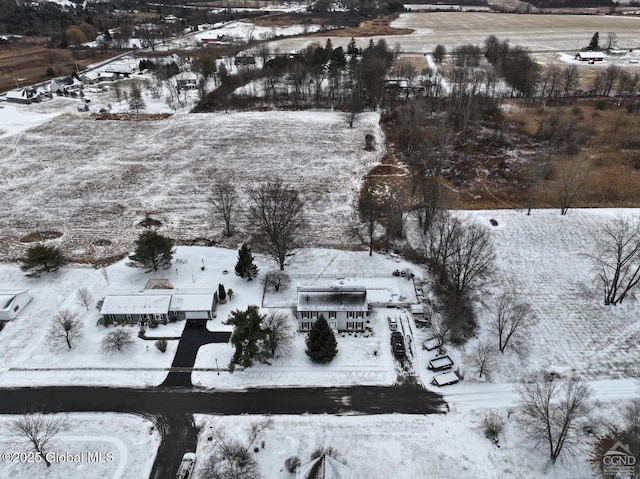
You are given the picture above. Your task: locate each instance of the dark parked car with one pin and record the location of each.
(397, 345)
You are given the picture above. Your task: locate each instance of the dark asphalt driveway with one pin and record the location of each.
(195, 334)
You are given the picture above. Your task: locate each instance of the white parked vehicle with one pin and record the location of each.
(393, 323)
(186, 466)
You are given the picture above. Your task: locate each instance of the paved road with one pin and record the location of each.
(361, 399)
(172, 409)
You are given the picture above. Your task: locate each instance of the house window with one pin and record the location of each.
(128, 317)
(359, 314)
(349, 314)
(350, 325)
(359, 325)
(332, 314)
(306, 325)
(305, 314)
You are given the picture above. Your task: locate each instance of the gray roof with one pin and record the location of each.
(351, 298)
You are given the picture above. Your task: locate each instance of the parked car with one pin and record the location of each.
(397, 345)
(186, 466)
(393, 323)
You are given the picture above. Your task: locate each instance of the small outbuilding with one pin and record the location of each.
(23, 95)
(12, 303)
(589, 56)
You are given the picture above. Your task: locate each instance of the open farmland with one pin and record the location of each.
(94, 181)
(545, 33)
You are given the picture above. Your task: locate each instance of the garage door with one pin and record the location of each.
(197, 315)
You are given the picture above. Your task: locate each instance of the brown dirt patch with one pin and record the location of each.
(386, 170)
(369, 28)
(492, 178)
(148, 222)
(27, 60)
(40, 236)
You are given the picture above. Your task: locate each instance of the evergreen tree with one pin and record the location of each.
(248, 337)
(352, 48)
(41, 258)
(153, 251)
(222, 294)
(322, 346)
(245, 268)
(595, 40)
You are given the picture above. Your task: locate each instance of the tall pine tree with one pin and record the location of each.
(248, 337)
(322, 346)
(153, 251)
(245, 268)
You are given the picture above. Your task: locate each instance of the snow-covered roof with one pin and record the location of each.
(136, 303)
(22, 93)
(191, 302)
(92, 75)
(334, 298)
(324, 467)
(591, 54)
(7, 297)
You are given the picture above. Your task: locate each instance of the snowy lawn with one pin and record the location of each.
(95, 192)
(448, 447)
(28, 358)
(544, 257)
(125, 444)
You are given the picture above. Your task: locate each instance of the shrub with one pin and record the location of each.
(492, 425)
(161, 344)
(292, 464)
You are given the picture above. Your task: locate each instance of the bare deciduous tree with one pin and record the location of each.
(618, 260)
(224, 199)
(116, 341)
(571, 177)
(279, 334)
(370, 214)
(232, 458)
(511, 322)
(276, 280)
(472, 259)
(552, 408)
(439, 242)
(483, 358)
(37, 430)
(441, 331)
(84, 297)
(65, 328)
(276, 213)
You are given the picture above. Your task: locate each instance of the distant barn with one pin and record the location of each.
(589, 57)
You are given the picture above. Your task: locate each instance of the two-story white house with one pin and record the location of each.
(345, 308)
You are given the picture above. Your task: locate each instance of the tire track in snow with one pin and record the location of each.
(122, 449)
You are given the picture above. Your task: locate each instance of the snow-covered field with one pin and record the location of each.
(110, 446)
(567, 33)
(247, 31)
(92, 189)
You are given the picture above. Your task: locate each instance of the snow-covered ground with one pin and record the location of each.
(27, 357)
(380, 447)
(540, 33)
(111, 446)
(242, 31)
(91, 189)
